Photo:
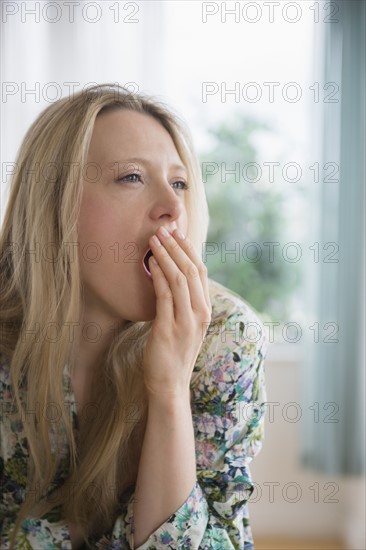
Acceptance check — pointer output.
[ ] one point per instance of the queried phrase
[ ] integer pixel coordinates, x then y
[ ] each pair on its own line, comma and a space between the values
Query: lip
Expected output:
147, 273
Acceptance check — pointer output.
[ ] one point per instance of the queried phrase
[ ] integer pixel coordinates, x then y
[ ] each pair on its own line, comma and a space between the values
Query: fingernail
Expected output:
179, 234
156, 240
164, 232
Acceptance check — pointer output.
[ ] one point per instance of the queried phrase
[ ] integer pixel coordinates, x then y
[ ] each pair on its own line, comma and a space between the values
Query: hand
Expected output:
76, 537
183, 314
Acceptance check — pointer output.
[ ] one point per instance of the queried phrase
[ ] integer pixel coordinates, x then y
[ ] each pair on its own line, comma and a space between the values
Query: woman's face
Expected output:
117, 218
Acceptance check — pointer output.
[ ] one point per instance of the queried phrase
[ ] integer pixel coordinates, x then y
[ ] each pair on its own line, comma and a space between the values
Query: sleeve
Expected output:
49, 532
228, 415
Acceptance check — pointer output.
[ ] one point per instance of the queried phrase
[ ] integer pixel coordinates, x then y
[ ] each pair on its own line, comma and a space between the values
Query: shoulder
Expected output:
226, 301
235, 322
235, 339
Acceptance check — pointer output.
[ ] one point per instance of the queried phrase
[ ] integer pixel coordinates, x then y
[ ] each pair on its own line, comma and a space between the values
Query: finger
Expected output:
176, 290
177, 262
164, 299
191, 252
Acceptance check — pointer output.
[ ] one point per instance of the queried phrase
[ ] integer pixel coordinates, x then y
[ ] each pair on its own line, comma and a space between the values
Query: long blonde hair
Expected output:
41, 287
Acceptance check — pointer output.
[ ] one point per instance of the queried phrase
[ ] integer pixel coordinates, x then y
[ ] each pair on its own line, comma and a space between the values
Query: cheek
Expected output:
107, 246
98, 223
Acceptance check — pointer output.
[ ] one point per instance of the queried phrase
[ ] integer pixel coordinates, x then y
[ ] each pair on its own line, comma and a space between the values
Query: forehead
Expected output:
124, 133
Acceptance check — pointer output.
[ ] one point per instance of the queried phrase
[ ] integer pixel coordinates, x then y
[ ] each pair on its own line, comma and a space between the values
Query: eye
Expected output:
184, 187
136, 177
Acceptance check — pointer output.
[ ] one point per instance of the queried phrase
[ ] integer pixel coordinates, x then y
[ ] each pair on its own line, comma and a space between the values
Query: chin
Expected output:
148, 314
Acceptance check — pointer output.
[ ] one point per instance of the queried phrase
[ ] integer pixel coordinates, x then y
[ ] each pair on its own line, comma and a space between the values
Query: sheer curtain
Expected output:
49, 50
334, 374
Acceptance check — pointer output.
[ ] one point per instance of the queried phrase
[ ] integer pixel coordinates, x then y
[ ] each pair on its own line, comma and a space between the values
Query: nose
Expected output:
167, 204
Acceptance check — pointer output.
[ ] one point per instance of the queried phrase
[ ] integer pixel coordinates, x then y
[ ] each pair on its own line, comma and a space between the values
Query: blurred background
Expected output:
274, 95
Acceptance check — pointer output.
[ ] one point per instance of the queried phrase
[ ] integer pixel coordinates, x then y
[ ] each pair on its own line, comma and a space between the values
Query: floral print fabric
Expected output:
227, 403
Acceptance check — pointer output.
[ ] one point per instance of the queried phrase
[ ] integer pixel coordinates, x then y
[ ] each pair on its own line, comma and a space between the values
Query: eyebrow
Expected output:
143, 161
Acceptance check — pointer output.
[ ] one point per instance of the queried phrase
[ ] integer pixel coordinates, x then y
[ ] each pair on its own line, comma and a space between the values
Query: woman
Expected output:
131, 390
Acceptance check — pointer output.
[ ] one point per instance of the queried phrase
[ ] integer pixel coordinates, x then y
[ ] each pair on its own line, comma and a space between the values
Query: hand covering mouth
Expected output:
148, 253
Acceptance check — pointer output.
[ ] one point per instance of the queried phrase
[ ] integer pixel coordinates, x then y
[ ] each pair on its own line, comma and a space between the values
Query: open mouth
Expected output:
146, 261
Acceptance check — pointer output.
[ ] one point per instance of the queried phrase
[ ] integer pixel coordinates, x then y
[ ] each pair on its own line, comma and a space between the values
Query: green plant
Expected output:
244, 215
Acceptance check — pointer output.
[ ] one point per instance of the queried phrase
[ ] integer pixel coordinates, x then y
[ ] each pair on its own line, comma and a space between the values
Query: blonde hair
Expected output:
41, 287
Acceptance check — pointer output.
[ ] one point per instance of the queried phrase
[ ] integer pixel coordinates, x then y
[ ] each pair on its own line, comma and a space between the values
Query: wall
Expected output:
313, 514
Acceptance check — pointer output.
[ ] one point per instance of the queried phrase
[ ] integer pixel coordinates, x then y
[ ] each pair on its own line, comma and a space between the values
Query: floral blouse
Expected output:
228, 417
